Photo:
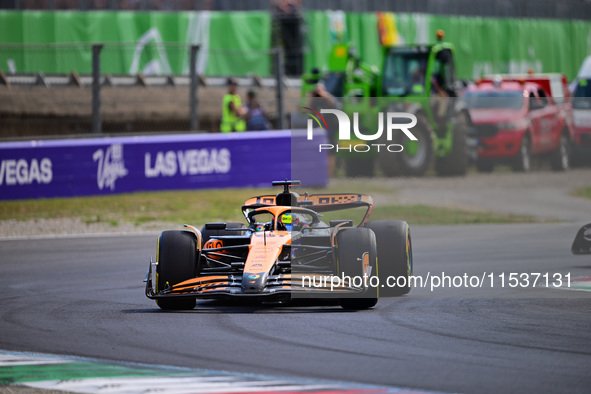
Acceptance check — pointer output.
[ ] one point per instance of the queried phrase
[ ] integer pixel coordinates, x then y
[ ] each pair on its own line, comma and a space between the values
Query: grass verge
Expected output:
201, 206
424, 214
584, 192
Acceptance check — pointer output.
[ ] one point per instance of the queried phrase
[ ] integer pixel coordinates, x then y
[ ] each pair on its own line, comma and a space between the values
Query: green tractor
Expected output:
418, 79
355, 83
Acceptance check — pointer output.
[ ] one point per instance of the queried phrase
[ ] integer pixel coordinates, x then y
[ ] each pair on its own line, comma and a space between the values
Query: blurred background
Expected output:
142, 54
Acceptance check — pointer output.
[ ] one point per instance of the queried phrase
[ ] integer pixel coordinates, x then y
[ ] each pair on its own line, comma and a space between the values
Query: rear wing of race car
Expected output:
317, 202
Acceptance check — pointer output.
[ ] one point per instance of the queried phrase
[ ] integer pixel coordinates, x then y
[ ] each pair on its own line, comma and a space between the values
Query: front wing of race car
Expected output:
281, 286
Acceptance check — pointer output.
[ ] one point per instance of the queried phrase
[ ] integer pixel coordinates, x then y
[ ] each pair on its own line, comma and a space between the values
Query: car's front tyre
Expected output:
394, 248
356, 256
177, 256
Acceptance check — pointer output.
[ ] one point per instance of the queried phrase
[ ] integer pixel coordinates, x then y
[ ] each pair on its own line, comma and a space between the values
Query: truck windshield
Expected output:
404, 72
505, 99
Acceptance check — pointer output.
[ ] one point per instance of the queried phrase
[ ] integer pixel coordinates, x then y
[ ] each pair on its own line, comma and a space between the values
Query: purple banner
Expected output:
82, 167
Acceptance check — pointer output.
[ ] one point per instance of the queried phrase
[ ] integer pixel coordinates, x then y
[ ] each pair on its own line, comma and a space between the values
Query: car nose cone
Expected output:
253, 283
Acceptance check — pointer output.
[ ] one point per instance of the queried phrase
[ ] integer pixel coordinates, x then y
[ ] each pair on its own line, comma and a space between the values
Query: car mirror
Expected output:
215, 226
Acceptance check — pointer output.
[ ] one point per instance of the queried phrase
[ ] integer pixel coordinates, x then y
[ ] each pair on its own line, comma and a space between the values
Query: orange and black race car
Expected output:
290, 246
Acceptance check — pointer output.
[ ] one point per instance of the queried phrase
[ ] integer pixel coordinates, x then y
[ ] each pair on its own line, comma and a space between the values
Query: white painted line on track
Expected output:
82, 375
7, 359
171, 385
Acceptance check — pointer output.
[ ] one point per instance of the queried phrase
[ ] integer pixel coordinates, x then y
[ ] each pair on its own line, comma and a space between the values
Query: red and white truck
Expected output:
520, 116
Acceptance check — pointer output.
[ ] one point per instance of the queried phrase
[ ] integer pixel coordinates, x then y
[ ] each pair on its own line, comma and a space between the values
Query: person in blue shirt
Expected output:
256, 120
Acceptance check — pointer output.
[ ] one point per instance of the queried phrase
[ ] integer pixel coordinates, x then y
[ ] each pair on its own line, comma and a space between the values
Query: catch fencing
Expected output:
163, 89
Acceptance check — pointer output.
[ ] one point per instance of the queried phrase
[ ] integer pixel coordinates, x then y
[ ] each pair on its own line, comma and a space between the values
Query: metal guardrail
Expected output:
561, 9
61, 80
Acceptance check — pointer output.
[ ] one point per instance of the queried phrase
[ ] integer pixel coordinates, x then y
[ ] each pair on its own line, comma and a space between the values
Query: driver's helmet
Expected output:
288, 221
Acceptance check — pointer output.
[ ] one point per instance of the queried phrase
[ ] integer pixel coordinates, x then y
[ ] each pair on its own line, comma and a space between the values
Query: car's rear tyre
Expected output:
177, 257
417, 156
351, 245
560, 159
455, 163
206, 235
522, 162
394, 256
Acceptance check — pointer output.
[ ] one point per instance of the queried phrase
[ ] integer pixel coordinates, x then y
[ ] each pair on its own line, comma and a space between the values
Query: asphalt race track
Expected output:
84, 296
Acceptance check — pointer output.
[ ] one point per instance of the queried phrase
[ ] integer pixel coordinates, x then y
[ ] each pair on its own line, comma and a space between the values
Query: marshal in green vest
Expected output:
230, 121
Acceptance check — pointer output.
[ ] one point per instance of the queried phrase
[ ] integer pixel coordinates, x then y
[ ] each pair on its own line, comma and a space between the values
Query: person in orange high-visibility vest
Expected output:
232, 110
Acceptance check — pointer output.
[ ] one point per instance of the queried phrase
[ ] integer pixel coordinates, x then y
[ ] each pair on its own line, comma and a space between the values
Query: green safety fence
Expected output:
484, 45
238, 43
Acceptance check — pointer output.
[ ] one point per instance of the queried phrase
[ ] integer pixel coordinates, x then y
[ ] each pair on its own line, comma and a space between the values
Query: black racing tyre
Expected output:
455, 163
207, 234
351, 247
361, 167
522, 163
177, 257
485, 166
417, 156
560, 159
394, 256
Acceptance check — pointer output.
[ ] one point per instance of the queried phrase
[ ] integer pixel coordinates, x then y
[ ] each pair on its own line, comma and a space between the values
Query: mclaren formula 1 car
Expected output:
314, 245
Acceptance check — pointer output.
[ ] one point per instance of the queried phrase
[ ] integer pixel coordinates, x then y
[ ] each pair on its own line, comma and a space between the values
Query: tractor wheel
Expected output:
416, 157
485, 166
455, 163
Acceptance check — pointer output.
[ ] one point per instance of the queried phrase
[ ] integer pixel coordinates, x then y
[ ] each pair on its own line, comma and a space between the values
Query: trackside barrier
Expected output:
102, 166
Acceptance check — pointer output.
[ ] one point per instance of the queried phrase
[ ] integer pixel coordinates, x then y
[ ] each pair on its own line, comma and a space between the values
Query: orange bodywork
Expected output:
265, 248
214, 244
